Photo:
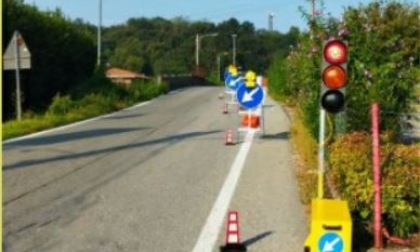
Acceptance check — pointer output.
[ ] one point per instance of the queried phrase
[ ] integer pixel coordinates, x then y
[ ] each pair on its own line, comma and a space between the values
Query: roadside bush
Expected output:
61, 105
142, 91
93, 105
350, 160
15, 128
98, 84
280, 88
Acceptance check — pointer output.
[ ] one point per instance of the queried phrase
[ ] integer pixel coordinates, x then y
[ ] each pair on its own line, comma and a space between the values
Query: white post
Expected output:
17, 67
234, 49
197, 50
263, 119
218, 68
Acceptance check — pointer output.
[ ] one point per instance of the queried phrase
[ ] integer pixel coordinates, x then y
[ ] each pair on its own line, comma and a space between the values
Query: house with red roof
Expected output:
124, 77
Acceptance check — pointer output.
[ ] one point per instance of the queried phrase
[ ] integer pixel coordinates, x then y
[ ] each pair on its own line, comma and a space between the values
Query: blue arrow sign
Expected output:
330, 242
233, 82
226, 75
250, 97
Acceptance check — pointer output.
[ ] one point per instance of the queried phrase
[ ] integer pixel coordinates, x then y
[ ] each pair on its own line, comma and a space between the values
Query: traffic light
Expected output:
334, 75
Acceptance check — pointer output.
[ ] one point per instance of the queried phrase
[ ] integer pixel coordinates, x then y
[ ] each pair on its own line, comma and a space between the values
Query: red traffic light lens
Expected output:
335, 52
332, 101
334, 77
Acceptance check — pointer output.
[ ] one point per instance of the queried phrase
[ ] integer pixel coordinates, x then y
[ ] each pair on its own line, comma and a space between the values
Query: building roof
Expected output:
114, 73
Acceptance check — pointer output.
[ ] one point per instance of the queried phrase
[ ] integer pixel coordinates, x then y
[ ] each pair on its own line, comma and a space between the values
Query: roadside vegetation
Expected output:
97, 96
65, 84
383, 67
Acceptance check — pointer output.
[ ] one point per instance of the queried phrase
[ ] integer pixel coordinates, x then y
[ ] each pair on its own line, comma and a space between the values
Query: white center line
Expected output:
211, 229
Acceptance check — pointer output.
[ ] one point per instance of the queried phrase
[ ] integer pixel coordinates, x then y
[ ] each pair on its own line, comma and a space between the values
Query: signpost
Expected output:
16, 57
233, 82
250, 97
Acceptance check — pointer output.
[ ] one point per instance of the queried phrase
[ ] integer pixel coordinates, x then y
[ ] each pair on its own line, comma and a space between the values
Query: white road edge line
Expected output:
73, 124
211, 229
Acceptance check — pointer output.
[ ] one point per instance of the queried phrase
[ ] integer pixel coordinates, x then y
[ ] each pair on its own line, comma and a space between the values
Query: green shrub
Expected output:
60, 105
143, 91
350, 160
17, 128
99, 84
279, 86
97, 104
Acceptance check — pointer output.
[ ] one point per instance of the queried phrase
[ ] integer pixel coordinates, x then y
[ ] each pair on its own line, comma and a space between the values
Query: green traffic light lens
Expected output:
332, 101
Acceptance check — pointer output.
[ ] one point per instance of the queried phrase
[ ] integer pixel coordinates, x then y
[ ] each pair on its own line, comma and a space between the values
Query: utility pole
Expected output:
198, 39
219, 64
99, 34
270, 21
234, 49
197, 50
218, 67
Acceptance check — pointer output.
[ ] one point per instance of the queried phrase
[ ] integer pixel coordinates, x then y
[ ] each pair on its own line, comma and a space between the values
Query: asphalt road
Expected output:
147, 179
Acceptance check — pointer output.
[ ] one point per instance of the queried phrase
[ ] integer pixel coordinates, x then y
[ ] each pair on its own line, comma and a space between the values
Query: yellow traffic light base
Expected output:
331, 227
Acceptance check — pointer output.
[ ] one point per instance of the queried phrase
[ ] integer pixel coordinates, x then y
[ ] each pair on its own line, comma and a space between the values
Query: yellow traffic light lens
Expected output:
335, 52
334, 77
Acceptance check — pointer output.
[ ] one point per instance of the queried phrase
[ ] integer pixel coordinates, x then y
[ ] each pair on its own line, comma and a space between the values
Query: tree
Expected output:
63, 54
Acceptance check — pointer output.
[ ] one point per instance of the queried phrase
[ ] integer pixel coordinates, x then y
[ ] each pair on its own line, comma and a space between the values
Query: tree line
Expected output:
64, 50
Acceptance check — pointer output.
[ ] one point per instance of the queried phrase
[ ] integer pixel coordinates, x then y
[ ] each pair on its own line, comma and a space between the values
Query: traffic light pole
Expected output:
321, 153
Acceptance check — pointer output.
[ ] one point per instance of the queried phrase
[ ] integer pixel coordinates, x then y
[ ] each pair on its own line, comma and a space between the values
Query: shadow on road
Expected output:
110, 150
257, 238
72, 136
117, 117
281, 135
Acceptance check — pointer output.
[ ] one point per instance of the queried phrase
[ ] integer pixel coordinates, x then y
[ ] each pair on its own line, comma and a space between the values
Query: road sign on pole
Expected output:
233, 82
17, 54
250, 97
16, 57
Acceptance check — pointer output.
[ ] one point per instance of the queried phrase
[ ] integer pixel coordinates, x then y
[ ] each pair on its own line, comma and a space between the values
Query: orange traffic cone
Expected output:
233, 243
225, 108
229, 137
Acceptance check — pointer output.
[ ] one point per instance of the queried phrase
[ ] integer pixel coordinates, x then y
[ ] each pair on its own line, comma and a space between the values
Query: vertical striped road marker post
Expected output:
233, 242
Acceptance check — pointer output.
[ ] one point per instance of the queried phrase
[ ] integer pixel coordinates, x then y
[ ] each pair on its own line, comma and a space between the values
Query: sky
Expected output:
114, 12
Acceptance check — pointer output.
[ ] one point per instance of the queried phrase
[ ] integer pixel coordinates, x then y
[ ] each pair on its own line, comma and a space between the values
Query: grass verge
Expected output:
305, 156
65, 109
